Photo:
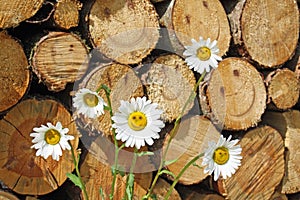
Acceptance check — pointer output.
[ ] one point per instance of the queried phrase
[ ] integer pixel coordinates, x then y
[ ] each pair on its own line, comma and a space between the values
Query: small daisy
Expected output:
137, 122
88, 103
201, 55
50, 139
222, 158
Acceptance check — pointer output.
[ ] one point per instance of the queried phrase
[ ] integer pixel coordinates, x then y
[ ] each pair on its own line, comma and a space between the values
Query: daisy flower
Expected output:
137, 122
88, 103
51, 140
202, 55
222, 158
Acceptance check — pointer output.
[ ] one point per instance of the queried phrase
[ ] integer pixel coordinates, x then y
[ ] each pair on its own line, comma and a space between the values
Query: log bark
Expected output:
66, 14
14, 12
124, 84
235, 95
262, 166
283, 88
14, 73
287, 123
21, 170
268, 32
125, 31
191, 139
186, 19
59, 58
169, 83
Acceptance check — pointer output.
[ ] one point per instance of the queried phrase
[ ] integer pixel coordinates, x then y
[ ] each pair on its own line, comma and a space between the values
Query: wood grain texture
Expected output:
124, 30
14, 72
20, 169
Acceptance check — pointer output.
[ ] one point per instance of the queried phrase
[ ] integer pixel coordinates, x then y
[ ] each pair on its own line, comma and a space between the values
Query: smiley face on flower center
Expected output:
203, 53
137, 121
221, 155
90, 99
52, 136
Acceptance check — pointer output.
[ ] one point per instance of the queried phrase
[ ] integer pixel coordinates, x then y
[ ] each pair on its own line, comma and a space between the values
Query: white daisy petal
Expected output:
46, 145
137, 122
222, 158
202, 60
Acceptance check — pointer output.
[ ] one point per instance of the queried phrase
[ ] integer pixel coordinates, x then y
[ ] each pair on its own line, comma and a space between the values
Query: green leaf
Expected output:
153, 196
196, 165
102, 195
75, 179
167, 172
145, 153
129, 186
169, 162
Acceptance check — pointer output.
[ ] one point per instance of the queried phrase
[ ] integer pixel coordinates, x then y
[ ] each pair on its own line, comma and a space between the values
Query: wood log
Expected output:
262, 166
14, 73
14, 12
124, 85
169, 83
187, 19
161, 188
21, 170
59, 58
191, 139
7, 196
235, 95
125, 30
66, 14
283, 88
287, 123
268, 32
278, 196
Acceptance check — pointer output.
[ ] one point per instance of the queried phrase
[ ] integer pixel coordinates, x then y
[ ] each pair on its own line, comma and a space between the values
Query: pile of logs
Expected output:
52, 48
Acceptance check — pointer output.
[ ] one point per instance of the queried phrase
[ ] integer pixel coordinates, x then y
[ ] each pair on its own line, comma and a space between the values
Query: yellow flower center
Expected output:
52, 136
221, 155
90, 99
137, 121
203, 53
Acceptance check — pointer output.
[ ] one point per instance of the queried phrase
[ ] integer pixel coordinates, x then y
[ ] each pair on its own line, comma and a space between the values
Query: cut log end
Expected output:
14, 72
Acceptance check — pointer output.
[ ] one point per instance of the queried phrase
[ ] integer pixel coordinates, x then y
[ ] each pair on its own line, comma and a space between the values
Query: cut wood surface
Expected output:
124, 85
14, 72
59, 58
269, 32
190, 140
189, 19
283, 88
235, 95
262, 166
287, 123
161, 189
66, 14
169, 83
125, 31
20, 169
7, 196
14, 12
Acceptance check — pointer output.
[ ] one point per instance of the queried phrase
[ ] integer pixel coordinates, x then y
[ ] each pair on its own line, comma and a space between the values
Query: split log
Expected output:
161, 188
283, 88
14, 12
7, 196
14, 73
21, 170
191, 139
187, 19
125, 31
188, 194
59, 58
268, 32
66, 14
124, 84
287, 123
262, 166
97, 174
169, 83
278, 196
235, 95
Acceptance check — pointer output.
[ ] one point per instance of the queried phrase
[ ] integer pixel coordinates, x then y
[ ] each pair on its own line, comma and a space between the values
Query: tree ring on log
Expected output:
14, 73
59, 58
236, 94
125, 31
21, 170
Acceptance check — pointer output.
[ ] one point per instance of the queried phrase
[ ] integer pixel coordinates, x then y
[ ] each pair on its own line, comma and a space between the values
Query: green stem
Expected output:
189, 100
131, 174
181, 173
76, 162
